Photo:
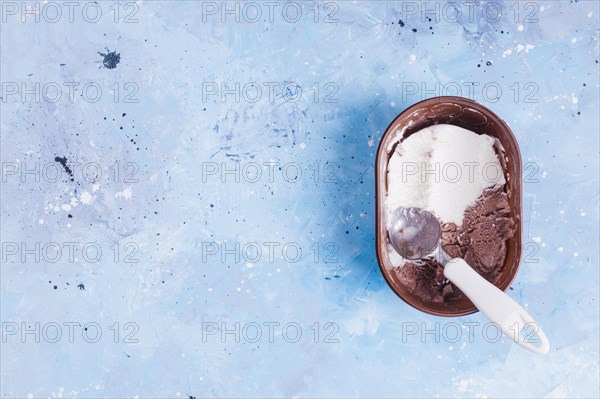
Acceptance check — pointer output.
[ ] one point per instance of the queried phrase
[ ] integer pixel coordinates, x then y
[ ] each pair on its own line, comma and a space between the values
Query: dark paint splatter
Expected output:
63, 162
81, 287
401, 23
111, 59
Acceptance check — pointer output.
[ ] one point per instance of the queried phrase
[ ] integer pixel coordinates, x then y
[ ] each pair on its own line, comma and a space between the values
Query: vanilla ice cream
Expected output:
443, 169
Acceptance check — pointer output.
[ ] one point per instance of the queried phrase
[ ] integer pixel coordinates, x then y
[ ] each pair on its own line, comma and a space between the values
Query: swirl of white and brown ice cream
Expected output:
455, 174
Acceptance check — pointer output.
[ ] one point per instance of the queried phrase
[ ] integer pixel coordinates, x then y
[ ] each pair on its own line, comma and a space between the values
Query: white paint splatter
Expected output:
127, 193
520, 47
86, 198
463, 385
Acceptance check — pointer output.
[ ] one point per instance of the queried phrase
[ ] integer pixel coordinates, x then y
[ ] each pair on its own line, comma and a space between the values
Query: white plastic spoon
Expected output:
415, 233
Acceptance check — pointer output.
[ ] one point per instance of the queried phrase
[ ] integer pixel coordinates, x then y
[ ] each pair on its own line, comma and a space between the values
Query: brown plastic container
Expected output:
470, 115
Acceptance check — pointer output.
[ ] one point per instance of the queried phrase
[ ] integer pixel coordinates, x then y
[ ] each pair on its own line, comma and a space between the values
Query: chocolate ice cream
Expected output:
480, 240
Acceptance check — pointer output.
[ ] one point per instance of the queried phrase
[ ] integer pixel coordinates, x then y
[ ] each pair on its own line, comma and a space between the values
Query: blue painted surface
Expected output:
192, 174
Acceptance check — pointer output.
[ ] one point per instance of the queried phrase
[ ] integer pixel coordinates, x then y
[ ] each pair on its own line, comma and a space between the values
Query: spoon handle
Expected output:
497, 306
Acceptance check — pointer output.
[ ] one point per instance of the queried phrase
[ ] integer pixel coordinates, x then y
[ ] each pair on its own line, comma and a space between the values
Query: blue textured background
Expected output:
546, 66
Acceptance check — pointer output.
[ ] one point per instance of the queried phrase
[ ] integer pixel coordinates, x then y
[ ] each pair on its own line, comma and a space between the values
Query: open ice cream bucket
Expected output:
473, 116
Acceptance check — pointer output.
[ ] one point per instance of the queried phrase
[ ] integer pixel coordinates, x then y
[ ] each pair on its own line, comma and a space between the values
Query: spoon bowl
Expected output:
414, 232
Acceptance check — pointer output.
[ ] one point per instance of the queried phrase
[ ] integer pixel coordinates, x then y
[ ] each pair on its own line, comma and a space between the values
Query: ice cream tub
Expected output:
470, 115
